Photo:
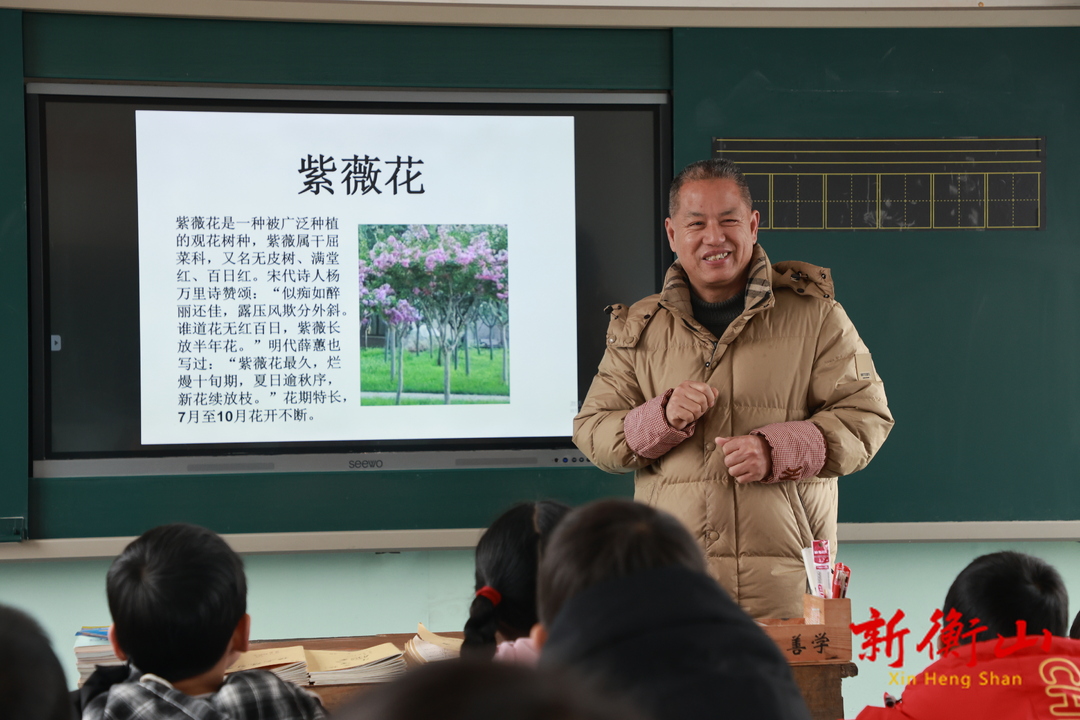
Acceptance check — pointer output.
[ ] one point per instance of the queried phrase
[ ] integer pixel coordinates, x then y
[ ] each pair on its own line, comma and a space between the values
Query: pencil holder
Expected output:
821, 635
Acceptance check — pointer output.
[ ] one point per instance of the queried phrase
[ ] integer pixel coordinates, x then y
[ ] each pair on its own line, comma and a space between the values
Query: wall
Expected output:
334, 594
296, 595
363, 593
602, 13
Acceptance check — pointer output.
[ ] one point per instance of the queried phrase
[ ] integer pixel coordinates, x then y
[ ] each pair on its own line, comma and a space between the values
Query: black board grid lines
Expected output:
894, 184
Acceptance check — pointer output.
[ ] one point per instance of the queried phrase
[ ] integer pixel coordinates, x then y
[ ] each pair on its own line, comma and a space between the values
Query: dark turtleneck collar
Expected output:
718, 315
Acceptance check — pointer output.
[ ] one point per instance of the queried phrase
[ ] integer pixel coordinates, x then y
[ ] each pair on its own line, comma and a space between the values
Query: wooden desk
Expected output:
820, 684
820, 687
822, 633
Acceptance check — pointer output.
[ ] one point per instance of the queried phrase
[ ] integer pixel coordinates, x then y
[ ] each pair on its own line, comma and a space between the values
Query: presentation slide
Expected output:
334, 277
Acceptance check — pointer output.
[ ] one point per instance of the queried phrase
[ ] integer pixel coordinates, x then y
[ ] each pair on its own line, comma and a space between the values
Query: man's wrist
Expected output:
648, 432
663, 407
797, 450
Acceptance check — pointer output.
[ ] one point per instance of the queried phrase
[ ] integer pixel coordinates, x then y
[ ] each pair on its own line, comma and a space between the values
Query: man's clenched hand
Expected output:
689, 401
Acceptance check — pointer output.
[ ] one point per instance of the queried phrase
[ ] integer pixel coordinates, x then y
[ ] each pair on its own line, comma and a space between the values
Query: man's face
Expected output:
713, 232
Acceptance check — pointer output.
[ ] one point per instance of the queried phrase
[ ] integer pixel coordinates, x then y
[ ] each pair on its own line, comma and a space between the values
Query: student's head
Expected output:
32, 685
460, 690
1004, 587
177, 595
507, 559
610, 539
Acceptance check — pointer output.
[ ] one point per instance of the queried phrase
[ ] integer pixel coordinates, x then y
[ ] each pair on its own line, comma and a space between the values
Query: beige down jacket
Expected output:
793, 354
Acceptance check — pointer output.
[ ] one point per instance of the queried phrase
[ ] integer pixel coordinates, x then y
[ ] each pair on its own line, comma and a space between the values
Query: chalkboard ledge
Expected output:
466, 538
258, 543
1017, 531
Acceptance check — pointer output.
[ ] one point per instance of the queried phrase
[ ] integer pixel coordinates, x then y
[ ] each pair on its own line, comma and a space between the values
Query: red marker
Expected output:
841, 577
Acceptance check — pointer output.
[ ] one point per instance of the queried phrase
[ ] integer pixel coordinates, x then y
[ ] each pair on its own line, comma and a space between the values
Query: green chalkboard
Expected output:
149, 50
975, 333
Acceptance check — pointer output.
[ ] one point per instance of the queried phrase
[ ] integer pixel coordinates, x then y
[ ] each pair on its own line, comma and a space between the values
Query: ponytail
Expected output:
507, 560
480, 628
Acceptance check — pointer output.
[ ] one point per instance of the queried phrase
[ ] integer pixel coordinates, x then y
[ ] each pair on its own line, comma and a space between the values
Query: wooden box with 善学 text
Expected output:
821, 635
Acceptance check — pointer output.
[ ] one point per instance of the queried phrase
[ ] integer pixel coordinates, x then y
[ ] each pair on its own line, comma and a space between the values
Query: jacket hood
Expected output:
676, 292
800, 277
804, 279
654, 601
672, 640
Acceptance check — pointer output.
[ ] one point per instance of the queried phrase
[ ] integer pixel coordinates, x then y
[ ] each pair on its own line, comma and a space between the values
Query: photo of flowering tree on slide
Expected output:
434, 304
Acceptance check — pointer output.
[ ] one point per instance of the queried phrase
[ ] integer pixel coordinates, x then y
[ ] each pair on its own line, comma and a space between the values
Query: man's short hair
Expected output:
176, 595
609, 539
1004, 587
713, 169
32, 684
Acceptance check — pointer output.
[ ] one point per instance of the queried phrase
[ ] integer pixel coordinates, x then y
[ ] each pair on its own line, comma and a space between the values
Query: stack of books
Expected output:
92, 648
427, 647
381, 663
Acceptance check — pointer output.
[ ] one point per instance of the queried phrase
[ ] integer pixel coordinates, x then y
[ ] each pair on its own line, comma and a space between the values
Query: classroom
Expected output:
974, 331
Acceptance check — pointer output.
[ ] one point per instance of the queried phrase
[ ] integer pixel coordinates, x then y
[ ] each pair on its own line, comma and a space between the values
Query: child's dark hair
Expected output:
176, 595
507, 560
1004, 587
610, 539
32, 684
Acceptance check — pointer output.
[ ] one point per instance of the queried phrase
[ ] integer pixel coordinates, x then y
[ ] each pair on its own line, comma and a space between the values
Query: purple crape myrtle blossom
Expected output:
402, 313
447, 272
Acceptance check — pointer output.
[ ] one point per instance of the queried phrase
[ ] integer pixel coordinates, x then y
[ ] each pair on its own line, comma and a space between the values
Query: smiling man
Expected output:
738, 395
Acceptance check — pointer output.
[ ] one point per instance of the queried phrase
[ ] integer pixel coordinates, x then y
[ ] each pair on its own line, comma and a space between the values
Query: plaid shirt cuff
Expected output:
647, 430
798, 450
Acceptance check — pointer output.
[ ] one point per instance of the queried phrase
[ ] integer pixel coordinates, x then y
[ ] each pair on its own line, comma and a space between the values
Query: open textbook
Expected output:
426, 646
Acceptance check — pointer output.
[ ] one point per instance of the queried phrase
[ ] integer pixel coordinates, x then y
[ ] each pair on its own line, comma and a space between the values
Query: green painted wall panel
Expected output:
14, 311
215, 51
89, 507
